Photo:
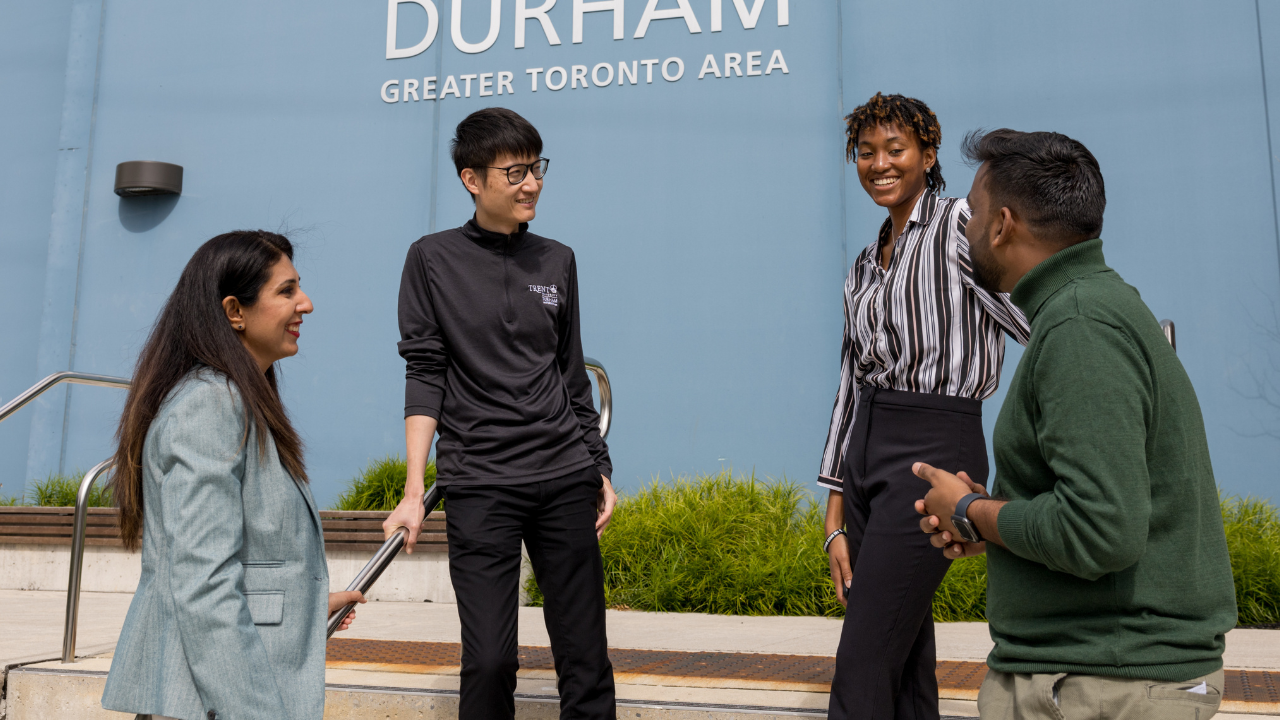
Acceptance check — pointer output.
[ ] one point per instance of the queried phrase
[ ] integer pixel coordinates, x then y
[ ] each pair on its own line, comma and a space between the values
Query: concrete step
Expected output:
767, 666
73, 692
395, 685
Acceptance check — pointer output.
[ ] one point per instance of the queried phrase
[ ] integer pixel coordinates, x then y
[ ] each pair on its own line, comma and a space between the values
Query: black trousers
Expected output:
556, 519
886, 662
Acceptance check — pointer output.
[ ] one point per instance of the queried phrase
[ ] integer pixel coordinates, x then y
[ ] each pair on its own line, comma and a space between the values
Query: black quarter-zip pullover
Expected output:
490, 332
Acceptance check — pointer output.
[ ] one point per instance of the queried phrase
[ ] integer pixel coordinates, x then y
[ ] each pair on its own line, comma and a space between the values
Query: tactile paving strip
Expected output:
962, 679
956, 679
1252, 686
393, 652
745, 668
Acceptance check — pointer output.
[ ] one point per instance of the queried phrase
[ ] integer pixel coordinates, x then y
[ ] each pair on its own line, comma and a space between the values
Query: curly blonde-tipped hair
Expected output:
907, 113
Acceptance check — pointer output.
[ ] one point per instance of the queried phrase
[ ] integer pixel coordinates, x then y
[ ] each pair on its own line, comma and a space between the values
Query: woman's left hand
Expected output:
605, 501
339, 600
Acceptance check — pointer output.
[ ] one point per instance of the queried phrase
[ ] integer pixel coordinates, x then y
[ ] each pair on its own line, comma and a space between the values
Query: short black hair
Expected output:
486, 134
1052, 181
907, 113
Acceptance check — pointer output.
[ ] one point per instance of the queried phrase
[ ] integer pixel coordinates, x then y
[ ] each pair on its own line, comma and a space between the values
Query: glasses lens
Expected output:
515, 174
540, 168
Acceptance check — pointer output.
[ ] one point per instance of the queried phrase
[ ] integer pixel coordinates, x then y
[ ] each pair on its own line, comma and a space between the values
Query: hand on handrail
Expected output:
409, 514
338, 600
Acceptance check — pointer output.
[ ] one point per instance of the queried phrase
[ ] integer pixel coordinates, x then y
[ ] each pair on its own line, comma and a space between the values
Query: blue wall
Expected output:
712, 218
33, 55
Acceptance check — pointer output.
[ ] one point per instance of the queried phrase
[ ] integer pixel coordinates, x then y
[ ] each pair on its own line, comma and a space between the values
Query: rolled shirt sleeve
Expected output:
830, 474
573, 368
422, 343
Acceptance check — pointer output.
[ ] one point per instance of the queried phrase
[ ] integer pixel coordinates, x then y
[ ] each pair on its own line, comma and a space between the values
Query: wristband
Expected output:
827, 545
960, 519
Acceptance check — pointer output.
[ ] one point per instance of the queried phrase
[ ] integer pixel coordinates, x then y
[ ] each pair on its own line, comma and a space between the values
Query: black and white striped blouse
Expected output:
923, 325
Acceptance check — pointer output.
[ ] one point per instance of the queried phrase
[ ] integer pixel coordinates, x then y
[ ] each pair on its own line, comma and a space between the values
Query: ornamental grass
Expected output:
737, 545
1253, 540
380, 486
58, 490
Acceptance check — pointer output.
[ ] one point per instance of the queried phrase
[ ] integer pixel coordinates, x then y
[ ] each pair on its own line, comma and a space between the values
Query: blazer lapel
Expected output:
311, 504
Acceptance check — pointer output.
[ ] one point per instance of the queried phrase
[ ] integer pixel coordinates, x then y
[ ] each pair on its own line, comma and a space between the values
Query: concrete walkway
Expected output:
36, 620
438, 622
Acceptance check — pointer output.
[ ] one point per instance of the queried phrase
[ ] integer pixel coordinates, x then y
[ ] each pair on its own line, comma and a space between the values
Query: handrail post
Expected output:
1167, 327
82, 497
606, 394
77, 560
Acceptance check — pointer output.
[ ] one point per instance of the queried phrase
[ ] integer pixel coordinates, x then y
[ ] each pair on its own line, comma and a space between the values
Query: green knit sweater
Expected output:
1117, 562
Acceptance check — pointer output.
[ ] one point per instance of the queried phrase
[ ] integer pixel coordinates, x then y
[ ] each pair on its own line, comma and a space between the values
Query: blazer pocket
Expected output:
266, 607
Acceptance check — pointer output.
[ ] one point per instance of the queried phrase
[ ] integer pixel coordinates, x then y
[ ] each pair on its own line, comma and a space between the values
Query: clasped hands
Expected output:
939, 504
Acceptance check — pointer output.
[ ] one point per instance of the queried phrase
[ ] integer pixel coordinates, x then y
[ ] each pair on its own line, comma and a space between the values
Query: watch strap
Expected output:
962, 507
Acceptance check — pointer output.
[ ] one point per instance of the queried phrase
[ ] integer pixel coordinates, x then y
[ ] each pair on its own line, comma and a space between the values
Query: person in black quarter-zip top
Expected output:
490, 332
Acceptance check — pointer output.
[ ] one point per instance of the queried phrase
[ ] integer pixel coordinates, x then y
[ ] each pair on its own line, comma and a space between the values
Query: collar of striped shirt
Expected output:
922, 214
922, 325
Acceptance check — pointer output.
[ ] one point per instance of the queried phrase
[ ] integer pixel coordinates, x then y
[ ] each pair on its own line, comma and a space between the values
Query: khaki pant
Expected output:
1060, 696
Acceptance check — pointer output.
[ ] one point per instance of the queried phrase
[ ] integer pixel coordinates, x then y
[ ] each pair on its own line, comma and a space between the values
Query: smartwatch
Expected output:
968, 531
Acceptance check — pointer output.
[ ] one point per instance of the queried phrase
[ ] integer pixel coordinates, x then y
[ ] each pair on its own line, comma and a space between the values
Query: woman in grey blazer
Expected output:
229, 617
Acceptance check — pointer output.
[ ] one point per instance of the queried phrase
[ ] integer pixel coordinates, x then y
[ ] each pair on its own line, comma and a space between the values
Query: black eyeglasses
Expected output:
516, 173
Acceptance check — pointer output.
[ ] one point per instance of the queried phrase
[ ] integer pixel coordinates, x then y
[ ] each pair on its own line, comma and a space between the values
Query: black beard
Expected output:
986, 273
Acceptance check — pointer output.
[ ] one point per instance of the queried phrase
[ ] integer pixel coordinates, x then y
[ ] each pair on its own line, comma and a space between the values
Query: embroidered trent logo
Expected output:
549, 294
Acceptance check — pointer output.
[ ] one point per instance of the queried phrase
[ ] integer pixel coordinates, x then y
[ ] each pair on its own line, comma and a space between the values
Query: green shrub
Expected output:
738, 546
717, 544
60, 491
741, 546
962, 596
380, 486
9, 500
1253, 539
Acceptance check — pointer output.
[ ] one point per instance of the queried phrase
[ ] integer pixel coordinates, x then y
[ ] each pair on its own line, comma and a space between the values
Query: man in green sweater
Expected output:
1109, 586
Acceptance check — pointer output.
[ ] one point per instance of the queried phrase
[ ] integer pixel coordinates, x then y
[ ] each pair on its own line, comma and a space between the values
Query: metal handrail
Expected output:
77, 378
1167, 327
77, 559
372, 570
606, 394
363, 580
82, 497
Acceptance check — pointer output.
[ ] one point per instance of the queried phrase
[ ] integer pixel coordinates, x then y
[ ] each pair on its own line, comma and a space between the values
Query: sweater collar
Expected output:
1055, 272
493, 241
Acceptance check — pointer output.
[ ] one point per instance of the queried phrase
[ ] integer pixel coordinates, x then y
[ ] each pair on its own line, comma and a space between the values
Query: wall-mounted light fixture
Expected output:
146, 177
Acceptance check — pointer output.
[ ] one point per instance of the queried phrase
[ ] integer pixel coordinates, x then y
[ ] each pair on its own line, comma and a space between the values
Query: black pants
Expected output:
556, 519
885, 666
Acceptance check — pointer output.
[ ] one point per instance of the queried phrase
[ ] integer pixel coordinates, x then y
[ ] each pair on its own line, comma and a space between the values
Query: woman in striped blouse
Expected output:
923, 345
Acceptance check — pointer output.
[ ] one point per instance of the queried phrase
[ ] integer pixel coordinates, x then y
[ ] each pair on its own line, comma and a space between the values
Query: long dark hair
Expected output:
193, 330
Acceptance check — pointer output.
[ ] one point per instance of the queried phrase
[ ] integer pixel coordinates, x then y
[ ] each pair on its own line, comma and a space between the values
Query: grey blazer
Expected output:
228, 621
